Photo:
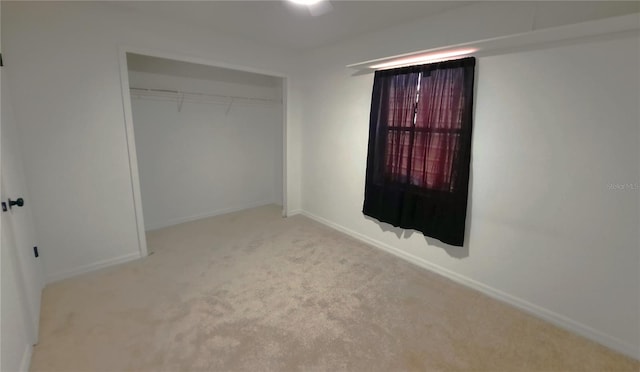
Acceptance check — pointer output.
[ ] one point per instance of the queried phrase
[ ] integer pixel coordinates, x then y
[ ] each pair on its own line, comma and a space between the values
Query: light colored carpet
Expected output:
251, 291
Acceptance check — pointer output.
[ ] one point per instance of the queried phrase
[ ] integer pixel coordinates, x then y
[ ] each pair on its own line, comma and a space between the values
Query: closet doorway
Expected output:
204, 140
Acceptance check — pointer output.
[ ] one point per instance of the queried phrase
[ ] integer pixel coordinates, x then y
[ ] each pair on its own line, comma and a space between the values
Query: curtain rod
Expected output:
178, 93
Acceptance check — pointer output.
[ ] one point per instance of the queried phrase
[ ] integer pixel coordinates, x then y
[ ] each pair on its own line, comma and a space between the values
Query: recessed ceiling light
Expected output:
305, 2
423, 58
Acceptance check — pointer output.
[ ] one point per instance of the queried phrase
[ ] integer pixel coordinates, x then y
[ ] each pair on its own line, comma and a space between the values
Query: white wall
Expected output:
68, 99
202, 161
553, 128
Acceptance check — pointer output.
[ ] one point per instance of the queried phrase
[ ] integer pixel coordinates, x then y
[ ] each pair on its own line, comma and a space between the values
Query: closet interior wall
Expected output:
208, 139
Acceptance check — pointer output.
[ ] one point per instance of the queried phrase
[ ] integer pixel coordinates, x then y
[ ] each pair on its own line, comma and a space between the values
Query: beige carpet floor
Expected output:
251, 291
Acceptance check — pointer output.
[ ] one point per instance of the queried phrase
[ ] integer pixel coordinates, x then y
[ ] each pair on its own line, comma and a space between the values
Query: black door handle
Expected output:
19, 202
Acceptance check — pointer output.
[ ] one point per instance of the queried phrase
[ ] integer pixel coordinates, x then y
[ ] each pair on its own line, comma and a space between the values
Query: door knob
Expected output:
19, 202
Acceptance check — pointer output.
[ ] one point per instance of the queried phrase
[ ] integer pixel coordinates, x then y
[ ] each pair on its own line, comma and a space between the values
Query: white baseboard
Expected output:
294, 212
217, 212
25, 364
92, 267
540, 312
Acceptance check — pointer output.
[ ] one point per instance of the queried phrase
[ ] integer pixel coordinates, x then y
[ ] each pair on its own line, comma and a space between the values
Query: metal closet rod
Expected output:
178, 92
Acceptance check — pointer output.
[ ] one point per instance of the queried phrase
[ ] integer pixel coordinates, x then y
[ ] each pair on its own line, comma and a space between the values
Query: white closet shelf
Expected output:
180, 96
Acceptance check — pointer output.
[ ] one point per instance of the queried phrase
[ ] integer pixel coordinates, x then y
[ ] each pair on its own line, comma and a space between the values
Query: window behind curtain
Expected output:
419, 148
424, 127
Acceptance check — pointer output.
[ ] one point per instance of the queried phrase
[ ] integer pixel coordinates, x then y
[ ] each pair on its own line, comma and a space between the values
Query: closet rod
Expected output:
177, 92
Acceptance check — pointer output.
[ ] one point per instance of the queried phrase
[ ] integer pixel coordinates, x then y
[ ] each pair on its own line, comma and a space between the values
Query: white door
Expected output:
22, 275
18, 218
16, 329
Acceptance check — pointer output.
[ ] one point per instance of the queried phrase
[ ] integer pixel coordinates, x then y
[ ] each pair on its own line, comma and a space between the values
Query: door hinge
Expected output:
1, 64
35, 252
4, 206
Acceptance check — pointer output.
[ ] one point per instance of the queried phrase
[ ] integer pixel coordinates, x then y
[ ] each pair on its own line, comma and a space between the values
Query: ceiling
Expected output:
287, 25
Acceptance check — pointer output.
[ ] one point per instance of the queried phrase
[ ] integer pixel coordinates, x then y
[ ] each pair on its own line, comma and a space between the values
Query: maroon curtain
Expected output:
403, 90
420, 148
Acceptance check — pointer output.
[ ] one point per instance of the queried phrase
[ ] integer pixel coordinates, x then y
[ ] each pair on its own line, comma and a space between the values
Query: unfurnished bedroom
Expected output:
320, 185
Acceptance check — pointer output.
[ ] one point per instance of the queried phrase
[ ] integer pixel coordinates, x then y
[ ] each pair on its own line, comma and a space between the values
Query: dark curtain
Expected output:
420, 148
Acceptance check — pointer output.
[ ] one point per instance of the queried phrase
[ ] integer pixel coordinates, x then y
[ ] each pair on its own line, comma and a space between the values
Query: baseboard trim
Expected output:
294, 212
540, 312
217, 212
25, 363
92, 267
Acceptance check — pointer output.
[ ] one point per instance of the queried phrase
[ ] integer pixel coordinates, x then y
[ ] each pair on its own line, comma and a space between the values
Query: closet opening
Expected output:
203, 140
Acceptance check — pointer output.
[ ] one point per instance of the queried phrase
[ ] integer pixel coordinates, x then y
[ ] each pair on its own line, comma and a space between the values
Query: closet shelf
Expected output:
181, 96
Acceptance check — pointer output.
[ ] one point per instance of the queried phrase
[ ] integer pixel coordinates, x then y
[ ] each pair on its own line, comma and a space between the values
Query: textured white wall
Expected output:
68, 102
553, 128
202, 161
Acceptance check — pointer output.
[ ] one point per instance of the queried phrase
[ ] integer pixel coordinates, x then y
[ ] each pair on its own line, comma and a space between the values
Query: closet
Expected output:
208, 140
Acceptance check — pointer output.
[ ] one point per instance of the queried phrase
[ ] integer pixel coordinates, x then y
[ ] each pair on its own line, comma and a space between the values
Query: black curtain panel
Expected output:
420, 148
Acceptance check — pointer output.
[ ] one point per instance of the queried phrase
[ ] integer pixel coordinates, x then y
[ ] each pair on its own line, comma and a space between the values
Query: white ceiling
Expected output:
288, 25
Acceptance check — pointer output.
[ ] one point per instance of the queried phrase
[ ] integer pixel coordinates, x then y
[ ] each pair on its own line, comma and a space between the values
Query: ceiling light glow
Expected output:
305, 2
423, 58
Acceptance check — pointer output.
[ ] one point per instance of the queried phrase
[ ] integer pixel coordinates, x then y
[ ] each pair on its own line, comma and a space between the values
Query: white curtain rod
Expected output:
179, 94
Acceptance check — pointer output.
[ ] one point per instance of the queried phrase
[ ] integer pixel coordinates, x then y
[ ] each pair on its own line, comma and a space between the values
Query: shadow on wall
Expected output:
452, 251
